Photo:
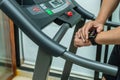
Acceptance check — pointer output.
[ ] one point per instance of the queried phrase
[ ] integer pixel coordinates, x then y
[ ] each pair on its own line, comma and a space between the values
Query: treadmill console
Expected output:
54, 2
44, 12
48, 7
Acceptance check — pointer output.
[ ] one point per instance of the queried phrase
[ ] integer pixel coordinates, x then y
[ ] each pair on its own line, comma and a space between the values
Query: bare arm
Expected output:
105, 37
108, 6
109, 37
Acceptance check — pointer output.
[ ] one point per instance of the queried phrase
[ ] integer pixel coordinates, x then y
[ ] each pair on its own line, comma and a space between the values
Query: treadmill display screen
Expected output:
56, 3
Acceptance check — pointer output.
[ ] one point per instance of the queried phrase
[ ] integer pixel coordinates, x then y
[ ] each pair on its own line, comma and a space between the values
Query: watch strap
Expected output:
92, 36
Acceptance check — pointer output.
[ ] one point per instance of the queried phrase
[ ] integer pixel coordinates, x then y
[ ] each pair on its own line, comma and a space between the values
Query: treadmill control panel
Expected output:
49, 7
43, 12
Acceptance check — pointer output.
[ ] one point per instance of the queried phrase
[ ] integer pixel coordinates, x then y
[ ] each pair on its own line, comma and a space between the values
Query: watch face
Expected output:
92, 36
92, 33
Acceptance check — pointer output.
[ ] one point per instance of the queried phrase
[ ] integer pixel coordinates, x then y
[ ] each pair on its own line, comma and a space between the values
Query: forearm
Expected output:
109, 37
108, 6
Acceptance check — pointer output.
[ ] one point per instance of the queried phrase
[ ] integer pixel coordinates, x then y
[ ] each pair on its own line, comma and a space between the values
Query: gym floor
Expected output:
23, 75
27, 78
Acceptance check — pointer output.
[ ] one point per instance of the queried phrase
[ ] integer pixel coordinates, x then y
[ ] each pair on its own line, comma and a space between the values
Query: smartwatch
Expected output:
92, 36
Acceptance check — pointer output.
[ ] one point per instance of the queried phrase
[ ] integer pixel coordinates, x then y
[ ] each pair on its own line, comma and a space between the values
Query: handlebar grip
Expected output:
88, 15
84, 13
113, 24
91, 64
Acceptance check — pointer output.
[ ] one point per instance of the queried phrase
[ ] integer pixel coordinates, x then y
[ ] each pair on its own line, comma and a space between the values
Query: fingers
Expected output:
99, 29
85, 30
77, 35
90, 25
79, 40
80, 43
82, 35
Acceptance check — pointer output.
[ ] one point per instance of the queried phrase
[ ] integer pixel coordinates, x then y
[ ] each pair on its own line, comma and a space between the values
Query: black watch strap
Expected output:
92, 36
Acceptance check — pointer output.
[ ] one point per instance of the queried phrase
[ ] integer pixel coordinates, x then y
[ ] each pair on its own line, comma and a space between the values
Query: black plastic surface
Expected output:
42, 18
97, 66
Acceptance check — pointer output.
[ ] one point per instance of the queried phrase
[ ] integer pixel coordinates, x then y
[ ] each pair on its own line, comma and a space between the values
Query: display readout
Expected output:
56, 3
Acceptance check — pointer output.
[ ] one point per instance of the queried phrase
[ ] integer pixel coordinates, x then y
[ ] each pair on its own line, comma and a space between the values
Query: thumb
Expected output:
99, 29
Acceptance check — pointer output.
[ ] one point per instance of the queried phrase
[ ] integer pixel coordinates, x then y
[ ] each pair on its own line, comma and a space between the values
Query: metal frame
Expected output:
44, 67
68, 64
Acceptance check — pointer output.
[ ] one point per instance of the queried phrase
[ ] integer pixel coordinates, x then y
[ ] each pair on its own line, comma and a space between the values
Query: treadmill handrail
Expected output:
91, 64
14, 11
88, 15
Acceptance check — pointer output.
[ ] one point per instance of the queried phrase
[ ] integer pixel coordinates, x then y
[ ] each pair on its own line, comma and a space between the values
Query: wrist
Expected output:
100, 20
93, 41
92, 37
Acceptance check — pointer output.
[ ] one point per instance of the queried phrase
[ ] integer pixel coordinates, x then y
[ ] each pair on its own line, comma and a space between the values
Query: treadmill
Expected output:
31, 17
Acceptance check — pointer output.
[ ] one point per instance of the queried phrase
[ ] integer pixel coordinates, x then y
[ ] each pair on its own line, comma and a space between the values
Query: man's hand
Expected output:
82, 35
79, 41
88, 26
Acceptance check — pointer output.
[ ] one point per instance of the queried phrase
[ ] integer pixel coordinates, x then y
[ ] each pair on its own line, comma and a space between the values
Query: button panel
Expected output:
35, 10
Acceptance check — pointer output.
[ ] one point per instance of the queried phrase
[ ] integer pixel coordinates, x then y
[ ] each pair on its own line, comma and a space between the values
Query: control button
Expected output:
43, 6
49, 12
69, 13
36, 9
